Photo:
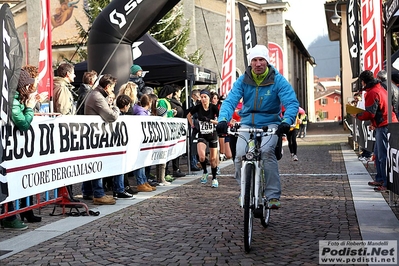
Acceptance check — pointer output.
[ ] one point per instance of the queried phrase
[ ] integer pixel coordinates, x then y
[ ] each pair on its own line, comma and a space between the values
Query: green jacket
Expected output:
21, 116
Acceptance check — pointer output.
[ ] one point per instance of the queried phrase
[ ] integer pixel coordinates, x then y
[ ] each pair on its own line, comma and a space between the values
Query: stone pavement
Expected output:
324, 197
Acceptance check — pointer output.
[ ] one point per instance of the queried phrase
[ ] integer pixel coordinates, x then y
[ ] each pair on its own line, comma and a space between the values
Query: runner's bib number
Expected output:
206, 127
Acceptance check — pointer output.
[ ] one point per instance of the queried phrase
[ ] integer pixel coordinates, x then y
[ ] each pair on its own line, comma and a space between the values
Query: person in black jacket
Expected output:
176, 104
136, 76
88, 81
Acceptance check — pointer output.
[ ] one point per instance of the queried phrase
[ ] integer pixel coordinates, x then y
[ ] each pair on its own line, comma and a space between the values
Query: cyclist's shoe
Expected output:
274, 204
215, 183
204, 178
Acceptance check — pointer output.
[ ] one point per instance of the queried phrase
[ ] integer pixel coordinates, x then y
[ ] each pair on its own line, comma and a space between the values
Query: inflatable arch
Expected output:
114, 31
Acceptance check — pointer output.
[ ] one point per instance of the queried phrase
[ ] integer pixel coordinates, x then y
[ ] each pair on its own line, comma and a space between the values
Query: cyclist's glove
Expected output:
283, 128
221, 128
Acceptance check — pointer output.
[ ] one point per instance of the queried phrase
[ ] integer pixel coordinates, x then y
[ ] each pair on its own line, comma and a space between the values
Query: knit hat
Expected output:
165, 91
134, 69
25, 79
258, 51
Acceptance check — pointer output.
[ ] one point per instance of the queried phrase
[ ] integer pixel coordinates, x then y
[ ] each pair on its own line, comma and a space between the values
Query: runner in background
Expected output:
207, 117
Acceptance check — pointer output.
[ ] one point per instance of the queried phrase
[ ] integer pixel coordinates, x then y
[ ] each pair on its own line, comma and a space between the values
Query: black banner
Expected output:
10, 67
354, 39
363, 135
393, 156
248, 33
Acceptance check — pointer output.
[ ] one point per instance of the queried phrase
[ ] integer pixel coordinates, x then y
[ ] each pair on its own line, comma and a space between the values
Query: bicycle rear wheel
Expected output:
249, 205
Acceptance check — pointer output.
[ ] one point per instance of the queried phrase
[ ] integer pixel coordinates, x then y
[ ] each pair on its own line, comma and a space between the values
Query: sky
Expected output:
307, 17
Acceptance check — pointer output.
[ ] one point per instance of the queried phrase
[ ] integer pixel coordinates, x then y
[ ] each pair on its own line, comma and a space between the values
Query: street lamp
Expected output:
335, 18
313, 61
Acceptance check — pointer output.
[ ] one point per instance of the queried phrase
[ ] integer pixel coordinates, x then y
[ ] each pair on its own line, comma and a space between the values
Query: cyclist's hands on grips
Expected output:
221, 128
283, 128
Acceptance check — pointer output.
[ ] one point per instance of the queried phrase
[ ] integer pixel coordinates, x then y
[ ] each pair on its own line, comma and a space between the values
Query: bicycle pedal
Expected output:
258, 212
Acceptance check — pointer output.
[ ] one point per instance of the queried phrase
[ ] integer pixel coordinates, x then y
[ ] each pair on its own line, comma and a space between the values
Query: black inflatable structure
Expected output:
116, 28
163, 66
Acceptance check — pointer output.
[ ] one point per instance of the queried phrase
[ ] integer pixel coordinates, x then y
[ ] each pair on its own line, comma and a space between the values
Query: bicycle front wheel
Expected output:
249, 205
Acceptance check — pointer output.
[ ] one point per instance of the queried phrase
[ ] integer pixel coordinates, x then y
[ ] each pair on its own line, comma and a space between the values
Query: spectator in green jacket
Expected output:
24, 101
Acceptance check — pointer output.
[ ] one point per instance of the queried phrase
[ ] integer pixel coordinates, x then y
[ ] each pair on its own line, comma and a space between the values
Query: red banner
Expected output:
229, 51
45, 56
371, 12
276, 57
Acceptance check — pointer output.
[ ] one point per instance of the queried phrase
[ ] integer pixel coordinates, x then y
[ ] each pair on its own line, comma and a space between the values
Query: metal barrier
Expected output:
58, 196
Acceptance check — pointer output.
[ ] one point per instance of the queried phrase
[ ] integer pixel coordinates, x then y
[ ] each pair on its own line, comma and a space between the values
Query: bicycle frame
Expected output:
252, 156
252, 182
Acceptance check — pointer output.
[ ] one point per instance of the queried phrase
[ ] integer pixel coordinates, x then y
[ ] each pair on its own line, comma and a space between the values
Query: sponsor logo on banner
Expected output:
120, 18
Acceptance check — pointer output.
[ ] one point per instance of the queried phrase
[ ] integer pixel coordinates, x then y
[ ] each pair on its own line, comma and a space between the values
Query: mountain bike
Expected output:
253, 199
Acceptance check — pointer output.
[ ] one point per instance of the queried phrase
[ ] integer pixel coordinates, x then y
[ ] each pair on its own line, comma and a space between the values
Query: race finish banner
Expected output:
60, 151
229, 50
248, 33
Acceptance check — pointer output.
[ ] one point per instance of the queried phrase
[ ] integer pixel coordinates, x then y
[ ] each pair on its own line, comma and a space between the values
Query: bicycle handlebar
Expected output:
235, 130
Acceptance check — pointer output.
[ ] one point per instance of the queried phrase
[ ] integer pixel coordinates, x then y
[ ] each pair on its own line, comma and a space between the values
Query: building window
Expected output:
325, 114
323, 101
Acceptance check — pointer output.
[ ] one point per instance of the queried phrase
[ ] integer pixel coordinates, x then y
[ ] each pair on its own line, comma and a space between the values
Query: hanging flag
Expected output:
354, 38
248, 33
10, 68
276, 57
229, 51
371, 13
45, 55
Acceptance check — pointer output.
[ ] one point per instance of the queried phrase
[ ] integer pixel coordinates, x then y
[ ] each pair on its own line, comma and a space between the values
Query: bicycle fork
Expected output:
256, 183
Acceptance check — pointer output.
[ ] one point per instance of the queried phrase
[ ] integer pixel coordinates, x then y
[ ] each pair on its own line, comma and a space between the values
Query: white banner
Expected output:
65, 150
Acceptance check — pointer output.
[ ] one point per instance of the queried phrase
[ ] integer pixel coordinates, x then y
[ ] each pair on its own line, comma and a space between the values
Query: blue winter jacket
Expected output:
262, 105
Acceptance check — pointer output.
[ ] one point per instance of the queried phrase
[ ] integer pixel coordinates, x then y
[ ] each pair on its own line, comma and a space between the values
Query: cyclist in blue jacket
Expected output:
264, 91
